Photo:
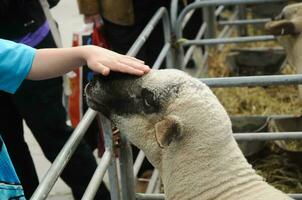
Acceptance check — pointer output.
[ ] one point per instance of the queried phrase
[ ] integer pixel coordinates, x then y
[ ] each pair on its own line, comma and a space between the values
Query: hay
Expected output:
275, 166
279, 168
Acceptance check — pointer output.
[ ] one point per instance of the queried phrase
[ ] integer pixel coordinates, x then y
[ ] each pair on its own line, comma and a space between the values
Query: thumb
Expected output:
100, 68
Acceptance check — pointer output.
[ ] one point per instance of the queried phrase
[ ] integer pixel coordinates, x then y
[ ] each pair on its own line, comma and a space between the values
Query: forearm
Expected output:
49, 63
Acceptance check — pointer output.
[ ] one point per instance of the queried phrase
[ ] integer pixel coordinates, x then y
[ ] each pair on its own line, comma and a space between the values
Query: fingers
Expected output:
136, 64
130, 69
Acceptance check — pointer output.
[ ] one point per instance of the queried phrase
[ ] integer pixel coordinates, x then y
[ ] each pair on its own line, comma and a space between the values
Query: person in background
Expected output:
123, 21
39, 103
18, 61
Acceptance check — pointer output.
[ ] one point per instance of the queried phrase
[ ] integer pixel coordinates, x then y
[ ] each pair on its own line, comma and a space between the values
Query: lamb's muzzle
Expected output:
185, 133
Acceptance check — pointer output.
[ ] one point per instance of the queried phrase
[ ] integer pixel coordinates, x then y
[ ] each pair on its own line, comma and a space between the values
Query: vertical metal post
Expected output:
168, 39
210, 19
242, 30
126, 168
112, 169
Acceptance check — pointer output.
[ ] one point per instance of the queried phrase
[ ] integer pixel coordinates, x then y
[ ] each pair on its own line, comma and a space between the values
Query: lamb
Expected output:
185, 133
289, 25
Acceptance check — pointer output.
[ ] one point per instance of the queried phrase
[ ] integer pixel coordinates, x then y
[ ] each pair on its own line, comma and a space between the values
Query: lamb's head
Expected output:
160, 111
288, 26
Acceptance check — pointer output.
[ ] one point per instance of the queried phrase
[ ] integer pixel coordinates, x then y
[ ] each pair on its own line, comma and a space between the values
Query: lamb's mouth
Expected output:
97, 106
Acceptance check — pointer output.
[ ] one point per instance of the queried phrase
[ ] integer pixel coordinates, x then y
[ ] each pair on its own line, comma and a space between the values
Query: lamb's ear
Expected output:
281, 27
167, 130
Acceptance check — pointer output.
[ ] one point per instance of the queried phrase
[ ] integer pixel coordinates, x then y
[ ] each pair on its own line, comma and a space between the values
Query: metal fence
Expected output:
121, 177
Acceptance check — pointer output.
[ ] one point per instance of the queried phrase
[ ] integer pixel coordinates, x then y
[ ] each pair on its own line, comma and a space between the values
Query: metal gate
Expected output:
122, 174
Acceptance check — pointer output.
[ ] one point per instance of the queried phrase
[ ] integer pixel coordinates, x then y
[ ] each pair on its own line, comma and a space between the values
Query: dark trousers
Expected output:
39, 103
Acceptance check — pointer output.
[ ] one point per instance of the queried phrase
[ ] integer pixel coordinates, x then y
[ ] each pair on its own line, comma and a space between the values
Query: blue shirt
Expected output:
15, 63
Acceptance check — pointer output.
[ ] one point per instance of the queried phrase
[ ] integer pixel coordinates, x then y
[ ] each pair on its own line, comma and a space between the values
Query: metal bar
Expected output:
168, 39
126, 162
204, 65
267, 116
245, 81
217, 41
209, 19
191, 49
241, 30
227, 30
173, 12
296, 196
112, 169
162, 196
218, 11
64, 156
138, 162
200, 33
188, 17
264, 136
126, 168
150, 196
201, 4
97, 177
165, 50
153, 181
244, 22
147, 31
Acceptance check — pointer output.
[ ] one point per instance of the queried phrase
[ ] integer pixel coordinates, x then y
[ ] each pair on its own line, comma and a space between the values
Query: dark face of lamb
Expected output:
160, 112
123, 95
139, 105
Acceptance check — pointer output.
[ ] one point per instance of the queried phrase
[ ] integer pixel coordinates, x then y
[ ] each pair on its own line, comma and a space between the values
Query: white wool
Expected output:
207, 162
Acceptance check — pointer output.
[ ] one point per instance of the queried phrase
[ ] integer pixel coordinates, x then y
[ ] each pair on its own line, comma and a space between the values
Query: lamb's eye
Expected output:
148, 98
146, 103
149, 101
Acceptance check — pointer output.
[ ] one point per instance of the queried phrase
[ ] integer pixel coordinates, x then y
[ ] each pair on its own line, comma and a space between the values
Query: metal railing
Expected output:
126, 166
123, 187
207, 6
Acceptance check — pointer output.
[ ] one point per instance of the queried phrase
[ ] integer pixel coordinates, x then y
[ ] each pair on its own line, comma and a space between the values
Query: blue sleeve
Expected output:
15, 63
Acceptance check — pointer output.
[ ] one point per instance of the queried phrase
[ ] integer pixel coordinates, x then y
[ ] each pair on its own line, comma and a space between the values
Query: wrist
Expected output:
82, 54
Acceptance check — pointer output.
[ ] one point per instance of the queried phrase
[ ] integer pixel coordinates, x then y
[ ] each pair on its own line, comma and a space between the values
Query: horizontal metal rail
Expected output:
266, 136
218, 41
97, 177
140, 196
244, 22
150, 196
246, 81
205, 3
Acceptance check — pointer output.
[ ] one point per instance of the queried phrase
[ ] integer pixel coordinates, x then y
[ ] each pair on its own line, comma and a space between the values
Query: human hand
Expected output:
103, 61
95, 19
